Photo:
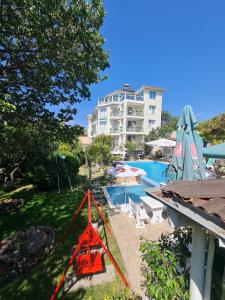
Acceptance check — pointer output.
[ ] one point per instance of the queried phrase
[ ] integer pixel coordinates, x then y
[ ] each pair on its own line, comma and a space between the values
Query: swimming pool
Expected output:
116, 194
155, 170
155, 175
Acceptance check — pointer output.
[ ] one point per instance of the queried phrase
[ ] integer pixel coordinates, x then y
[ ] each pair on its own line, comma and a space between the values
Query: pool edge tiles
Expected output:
108, 197
145, 180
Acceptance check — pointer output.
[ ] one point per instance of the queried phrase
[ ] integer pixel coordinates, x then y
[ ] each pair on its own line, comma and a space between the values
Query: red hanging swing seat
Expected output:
89, 263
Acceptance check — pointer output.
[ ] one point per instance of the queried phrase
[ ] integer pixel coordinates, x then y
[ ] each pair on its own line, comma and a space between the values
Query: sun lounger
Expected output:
138, 212
153, 208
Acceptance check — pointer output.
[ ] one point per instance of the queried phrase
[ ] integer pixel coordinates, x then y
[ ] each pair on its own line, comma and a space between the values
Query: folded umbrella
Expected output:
187, 160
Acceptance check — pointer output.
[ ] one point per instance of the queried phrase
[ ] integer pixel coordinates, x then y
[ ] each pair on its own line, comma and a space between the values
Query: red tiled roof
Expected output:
205, 189
206, 195
84, 140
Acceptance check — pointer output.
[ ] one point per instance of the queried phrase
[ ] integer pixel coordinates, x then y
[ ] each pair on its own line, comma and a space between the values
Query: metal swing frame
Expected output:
89, 261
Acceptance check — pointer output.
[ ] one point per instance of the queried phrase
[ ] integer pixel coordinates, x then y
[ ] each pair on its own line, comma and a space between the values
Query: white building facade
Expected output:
127, 115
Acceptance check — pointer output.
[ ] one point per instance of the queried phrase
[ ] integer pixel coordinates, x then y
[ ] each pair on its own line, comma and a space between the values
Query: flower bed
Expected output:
24, 250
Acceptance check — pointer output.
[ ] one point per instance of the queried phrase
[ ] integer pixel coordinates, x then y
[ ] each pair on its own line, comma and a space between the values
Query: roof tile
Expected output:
207, 195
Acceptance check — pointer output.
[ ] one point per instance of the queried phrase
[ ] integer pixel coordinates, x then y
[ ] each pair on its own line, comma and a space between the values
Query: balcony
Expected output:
135, 129
117, 98
133, 97
102, 117
135, 113
115, 130
110, 99
115, 114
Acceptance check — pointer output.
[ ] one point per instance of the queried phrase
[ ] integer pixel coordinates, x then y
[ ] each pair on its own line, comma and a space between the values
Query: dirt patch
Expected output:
24, 250
10, 205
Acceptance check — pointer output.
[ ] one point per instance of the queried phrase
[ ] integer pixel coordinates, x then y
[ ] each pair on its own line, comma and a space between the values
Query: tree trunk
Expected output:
16, 168
12, 174
89, 169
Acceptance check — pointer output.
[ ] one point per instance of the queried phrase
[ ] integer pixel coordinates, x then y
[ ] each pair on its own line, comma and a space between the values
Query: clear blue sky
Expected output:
178, 45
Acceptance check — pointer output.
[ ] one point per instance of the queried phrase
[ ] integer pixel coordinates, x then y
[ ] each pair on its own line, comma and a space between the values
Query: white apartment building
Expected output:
126, 115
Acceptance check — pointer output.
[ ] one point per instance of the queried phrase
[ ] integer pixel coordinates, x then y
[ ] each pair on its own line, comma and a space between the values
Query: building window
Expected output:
152, 109
103, 123
131, 123
121, 97
152, 94
102, 113
131, 138
115, 98
130, 97
151, 124
102, 126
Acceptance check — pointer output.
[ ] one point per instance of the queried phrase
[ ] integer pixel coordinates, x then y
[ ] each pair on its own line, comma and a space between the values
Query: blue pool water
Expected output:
117, 193
155, 170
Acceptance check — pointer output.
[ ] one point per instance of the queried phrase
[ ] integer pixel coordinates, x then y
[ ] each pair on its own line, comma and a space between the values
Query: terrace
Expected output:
117, 98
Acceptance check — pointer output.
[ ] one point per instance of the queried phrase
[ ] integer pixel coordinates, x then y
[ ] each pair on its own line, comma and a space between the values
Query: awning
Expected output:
216, 151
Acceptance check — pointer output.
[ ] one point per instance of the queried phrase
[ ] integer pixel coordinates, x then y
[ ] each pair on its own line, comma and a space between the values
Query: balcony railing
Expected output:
134, 129
102, 117
121, 97
115, 114
114, 130
139, 98
135, 113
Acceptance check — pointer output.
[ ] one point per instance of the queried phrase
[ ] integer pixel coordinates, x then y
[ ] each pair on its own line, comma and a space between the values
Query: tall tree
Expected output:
213, 130
100, 150
168, 125
168, 120
50, 52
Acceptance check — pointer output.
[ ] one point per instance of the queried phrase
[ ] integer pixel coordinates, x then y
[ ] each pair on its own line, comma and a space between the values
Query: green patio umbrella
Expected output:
187, 160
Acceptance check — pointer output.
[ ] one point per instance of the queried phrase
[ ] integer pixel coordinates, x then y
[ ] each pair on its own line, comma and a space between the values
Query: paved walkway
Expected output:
128, 240
107, 276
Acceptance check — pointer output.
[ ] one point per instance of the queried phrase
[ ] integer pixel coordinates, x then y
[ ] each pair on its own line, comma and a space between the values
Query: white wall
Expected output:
157, 102
122, 123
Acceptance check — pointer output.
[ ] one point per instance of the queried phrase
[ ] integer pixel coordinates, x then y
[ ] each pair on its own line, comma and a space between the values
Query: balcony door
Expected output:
131, 124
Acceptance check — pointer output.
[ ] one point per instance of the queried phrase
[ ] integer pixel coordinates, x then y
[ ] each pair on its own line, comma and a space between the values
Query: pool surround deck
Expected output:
128, 240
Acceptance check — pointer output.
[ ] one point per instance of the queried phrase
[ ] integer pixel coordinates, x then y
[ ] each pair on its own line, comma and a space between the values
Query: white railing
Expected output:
103, 117
114, 130
121, 97
134, 129
134, 97
135, 113
115, 114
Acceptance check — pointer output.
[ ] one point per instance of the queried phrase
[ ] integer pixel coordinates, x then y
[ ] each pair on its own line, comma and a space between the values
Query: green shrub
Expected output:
64, 164
117, 157
166, 268
100, 152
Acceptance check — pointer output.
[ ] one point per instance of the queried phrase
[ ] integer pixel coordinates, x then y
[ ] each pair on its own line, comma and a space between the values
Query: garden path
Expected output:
128, 240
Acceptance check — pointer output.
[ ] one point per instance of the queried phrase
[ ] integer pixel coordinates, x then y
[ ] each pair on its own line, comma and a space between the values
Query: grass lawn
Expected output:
54, 210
